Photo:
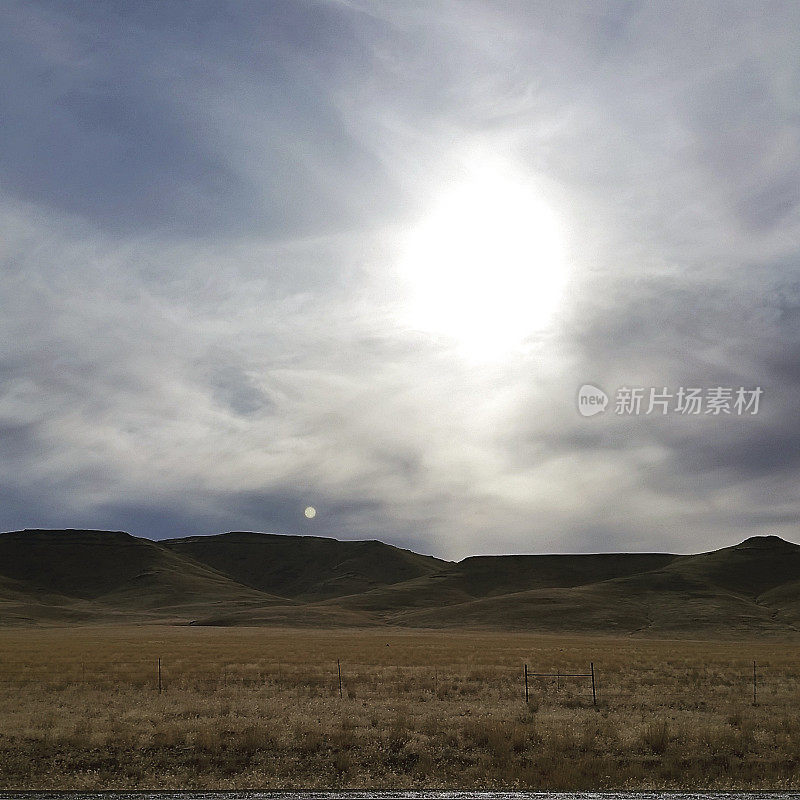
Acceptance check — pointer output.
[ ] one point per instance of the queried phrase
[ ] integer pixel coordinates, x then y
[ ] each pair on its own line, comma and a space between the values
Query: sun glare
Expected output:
485, 267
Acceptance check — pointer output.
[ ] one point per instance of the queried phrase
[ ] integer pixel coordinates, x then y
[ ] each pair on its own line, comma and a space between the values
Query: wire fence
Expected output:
690, 684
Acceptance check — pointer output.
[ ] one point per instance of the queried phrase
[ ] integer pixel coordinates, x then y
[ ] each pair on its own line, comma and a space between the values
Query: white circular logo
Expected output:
591, 400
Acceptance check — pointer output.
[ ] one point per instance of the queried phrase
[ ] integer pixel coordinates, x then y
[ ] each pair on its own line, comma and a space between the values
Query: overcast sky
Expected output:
361, 256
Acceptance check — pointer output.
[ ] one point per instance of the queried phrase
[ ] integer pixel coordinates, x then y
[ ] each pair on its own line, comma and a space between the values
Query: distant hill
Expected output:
305, 567
242, 578
107, 574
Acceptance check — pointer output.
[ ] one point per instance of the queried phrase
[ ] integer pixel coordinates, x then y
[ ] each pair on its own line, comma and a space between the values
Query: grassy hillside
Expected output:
480, 577
88, 574
656, 603
242, 578
305, 567
750, 588
75, 563
753, 567
486, 576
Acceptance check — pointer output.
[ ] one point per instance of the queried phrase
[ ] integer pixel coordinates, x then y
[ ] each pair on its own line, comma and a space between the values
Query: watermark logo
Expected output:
591, 400
684, 401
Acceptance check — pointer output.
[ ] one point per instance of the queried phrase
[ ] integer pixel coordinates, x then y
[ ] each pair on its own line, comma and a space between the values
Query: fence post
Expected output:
339, 670
159, 675
594, 692
526, 683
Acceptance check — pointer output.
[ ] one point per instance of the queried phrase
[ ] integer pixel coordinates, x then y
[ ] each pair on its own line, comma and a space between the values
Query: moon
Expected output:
310, 512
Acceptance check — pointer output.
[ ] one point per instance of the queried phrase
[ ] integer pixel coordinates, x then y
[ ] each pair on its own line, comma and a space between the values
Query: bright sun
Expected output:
485, 267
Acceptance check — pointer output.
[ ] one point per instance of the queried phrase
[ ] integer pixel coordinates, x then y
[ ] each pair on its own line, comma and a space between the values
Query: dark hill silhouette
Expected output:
305, 567
241, 578
99, 573
753, 567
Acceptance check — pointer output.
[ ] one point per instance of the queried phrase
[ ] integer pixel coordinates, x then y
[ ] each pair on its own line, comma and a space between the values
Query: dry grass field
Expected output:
260, 708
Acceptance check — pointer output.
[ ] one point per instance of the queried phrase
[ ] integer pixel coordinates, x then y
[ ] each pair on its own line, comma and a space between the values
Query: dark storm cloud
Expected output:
238, 391
129, 116
204, 318
748, 142
87, 131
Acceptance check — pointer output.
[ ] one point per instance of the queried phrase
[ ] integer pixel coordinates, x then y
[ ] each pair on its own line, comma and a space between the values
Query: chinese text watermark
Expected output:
686, 401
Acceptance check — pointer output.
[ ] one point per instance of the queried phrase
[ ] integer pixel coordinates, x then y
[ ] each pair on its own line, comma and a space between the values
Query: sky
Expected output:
361, 256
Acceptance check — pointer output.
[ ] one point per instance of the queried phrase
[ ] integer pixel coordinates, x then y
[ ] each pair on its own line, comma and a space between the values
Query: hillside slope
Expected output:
480, 577
654, 603
753, 567
105, 573
305, 567
752, 587
240, 578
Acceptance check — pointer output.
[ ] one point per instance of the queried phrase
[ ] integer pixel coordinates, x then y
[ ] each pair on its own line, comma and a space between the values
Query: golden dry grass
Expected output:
260, 708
